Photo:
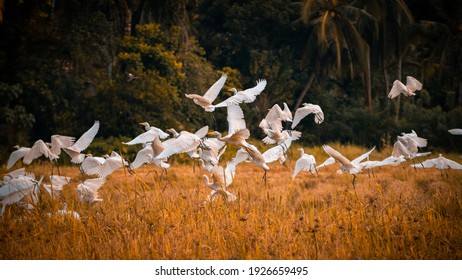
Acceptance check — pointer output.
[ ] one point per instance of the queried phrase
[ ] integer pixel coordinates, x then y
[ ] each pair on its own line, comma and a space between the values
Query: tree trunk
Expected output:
398, 99
305, 90
367, 78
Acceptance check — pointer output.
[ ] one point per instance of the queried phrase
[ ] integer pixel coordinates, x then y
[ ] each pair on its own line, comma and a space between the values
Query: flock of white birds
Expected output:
22, 188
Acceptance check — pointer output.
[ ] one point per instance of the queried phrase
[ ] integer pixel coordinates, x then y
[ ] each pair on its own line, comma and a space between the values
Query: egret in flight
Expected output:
207, 99
408, 89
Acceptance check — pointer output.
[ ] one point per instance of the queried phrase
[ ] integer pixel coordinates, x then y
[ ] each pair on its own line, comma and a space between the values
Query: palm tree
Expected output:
334, 41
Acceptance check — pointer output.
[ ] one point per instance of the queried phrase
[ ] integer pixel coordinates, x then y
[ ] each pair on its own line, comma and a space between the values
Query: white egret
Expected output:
88, 190
412, 84
237, 139
440, 163
211, 153
111, 164
37, 150
18, 188
305, 162
351, 167
275, 116
279, 152
304, 111
81, 144
246, 96
131, 77
207, 99
148, 136
185, 142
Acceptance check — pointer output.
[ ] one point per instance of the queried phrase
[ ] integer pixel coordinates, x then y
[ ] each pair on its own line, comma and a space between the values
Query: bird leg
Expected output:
264, 177
354, 179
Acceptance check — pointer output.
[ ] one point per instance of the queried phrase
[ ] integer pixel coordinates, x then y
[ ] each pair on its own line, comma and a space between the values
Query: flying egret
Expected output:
279, 152
111, 164
307, 109
207, 99
305, 162
81, 144
185, 142
131, 77
440, 163
212, 152
246, 96
351, 167
275, 116
37, 150
88, 190
256, 157
237, 139
148, 136
412, 84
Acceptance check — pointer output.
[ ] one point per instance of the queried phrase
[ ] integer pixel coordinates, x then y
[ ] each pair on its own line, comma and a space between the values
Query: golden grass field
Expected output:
395, 213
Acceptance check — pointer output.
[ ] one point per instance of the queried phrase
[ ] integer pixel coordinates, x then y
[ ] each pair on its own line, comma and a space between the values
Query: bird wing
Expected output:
453, 164
84, 141
183, 144
362, 157
157, 146
413, 84
239, 135
143, 156
455, 131
396, 89
274, 114
337, 156
59, 181
37, 150
214, 90
16, 155
303, 163
235, 119
114, 162
13, 174
250, 94
328, 161
419, 141
307, 109
15, 189
143, 138
90, 165
94, 183
399, 150
59, 142
429, 163
273, 153
201, 133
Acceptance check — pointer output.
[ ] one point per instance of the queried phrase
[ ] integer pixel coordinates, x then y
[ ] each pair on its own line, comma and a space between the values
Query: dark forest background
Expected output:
65, 64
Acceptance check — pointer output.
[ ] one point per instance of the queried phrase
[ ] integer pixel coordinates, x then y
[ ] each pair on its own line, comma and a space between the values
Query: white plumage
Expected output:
81, 144
246, 96
304, 111
408, 89
207, 99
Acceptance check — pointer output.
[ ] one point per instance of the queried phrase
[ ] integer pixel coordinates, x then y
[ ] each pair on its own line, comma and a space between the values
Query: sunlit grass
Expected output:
391, 213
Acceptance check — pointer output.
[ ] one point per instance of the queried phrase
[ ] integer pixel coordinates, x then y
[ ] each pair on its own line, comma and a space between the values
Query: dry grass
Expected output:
395, 213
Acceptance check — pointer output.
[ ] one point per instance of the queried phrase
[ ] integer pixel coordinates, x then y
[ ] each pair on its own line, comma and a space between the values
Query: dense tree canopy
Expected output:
65, 63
